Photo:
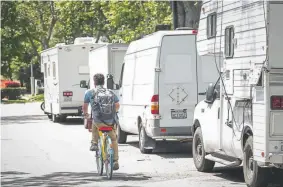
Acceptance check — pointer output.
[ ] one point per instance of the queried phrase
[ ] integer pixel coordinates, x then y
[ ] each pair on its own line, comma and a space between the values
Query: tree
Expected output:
188, 13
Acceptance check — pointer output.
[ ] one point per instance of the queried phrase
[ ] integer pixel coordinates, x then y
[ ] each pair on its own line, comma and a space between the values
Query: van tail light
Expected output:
195, 32
155, 104
68, 93
276, 102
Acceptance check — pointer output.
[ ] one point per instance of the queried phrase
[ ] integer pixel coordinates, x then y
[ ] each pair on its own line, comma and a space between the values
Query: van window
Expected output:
45, 70
229, 45
211, 25
121, 76
54, 70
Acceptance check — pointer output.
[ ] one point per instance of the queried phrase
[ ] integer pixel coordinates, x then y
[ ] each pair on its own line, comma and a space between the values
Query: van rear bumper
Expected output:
154, 131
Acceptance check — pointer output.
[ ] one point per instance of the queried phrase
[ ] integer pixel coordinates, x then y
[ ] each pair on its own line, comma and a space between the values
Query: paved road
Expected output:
38, 152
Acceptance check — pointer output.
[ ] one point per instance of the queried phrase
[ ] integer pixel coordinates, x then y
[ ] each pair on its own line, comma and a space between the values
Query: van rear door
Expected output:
177, 80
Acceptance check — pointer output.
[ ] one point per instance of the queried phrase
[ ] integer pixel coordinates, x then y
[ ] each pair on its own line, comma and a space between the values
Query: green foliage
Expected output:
12, 93
28, 27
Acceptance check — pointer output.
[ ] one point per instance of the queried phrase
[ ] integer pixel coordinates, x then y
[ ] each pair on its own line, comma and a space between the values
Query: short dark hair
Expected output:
98, 79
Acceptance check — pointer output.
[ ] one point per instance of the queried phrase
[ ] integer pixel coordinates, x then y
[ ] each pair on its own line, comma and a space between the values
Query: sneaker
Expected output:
93, 147
115, 165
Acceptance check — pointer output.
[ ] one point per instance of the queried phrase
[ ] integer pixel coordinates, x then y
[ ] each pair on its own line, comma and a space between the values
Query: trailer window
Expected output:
45, 70
54, 70
211, 25
229, 45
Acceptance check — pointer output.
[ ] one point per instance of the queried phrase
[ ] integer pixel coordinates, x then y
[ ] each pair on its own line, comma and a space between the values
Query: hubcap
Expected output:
198, 148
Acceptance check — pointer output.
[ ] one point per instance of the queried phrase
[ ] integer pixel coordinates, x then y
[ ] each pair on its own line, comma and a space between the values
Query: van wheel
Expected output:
55, 118
121, 135
254, 175
199, 153
143, 138
49, 116
62, 118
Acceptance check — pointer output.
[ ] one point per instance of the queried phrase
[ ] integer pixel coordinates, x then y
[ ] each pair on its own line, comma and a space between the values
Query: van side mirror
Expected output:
110, 82
210, 94
117, 87
83, 84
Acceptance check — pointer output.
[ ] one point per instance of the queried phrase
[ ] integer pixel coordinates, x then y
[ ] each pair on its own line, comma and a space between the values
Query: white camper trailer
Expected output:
108, 60
63, 67
159, 85
241, 118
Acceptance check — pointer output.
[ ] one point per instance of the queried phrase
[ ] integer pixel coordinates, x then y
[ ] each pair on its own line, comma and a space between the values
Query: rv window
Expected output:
121, 76
48, 70
45, 70
54, 70
229, 45
211, 25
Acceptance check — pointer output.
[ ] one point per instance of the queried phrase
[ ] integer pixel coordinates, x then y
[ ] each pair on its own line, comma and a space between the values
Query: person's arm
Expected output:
86, 102
117, 104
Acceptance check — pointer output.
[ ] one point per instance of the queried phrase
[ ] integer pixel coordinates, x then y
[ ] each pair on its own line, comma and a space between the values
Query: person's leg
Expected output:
95, 136
113, 137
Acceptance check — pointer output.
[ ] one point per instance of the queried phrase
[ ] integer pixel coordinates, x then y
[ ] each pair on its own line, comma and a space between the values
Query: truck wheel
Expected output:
199, 153
121, 135
143, 138
55, 118
254, 175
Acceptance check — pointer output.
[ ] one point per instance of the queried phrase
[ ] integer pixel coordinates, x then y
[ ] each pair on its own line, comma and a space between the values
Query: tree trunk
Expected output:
188, 13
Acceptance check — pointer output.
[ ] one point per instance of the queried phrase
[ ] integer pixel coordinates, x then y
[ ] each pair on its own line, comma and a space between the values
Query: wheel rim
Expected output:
249, 164
198, 149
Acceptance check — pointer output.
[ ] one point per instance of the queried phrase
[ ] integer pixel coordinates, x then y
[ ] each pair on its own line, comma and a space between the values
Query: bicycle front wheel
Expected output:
109, 157
99, 159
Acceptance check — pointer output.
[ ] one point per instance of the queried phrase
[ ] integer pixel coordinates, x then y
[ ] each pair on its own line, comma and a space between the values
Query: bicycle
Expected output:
105, 152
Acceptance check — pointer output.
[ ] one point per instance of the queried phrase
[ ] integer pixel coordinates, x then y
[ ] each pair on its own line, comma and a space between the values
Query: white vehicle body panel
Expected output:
107, 59
257, 46
165, 64
63, 68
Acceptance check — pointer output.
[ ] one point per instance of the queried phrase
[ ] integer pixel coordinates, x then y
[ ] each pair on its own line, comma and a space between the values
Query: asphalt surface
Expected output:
37, 152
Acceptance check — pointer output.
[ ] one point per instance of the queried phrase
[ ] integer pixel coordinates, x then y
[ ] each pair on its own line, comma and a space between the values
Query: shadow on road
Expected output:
168, 149
65, 179
73, 121
236, 176
8, 120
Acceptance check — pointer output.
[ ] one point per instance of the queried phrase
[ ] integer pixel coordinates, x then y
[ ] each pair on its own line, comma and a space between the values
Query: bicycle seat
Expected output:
105, 129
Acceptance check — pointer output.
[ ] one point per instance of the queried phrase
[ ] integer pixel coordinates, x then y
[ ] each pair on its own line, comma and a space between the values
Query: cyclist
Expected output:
97, 121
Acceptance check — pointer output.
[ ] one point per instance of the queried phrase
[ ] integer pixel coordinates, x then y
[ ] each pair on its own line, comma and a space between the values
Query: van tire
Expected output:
121, 135
49, 116
55, 118
202, 164
260, 176
62, 118
143, 138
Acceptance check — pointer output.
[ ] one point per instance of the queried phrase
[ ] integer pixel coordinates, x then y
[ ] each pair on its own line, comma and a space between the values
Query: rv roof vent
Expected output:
59, 44
84, 40
185, 28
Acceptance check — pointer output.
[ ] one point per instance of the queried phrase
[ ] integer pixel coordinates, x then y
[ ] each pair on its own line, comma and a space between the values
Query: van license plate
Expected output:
179, 114
67, 99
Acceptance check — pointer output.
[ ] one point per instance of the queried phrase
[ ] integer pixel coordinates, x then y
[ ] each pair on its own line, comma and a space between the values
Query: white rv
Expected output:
63, 67
108, 60
159, 85
241, 119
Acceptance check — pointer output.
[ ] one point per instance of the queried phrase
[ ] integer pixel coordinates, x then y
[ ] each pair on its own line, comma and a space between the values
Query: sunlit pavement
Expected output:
38, 152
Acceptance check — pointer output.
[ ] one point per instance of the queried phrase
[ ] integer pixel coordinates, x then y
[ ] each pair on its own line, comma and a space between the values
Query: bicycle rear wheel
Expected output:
109, 157
99, 159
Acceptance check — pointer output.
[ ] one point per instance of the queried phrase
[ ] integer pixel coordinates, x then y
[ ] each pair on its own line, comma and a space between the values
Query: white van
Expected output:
159, 84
